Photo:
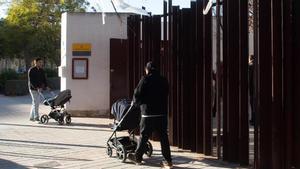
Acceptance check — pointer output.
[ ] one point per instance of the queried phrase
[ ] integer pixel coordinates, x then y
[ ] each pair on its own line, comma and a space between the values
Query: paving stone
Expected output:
81, 145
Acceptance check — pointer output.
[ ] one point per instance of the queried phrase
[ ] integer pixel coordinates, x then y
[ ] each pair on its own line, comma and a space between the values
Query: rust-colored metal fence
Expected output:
188, 69
277, 130
184, 56
235, 89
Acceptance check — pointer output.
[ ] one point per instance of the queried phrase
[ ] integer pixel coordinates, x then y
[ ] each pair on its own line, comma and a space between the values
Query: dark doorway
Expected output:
118, 70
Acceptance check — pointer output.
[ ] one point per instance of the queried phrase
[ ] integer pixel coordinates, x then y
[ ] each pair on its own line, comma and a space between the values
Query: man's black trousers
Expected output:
149, 125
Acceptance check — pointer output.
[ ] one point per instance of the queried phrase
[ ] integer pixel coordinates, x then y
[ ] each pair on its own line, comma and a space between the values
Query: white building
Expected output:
84, 35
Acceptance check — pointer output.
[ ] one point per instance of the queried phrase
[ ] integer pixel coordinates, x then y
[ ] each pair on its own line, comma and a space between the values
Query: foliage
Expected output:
251, 15
11, 74
7, 75
12, 39
51, 73
32, 28
1, 39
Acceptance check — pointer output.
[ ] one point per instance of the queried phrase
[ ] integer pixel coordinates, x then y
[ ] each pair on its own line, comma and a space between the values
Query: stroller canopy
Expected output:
119, 109
59, 100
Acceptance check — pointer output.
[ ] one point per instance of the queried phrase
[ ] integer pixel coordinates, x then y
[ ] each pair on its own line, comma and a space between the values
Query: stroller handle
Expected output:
42, 95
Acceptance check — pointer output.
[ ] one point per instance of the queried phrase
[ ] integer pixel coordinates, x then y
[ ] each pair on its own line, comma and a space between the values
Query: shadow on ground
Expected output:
55, 125
39, 156
5, 164
188, 163
11, 141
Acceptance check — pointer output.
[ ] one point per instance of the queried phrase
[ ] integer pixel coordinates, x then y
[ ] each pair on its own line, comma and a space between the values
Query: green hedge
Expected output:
51, 72
15, 86
20, 87
9, 74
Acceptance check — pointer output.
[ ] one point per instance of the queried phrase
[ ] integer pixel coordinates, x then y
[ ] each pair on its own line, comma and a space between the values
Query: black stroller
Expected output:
126, 117
58, 111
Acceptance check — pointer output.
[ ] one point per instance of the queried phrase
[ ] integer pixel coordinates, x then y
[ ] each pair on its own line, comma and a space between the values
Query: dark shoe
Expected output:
31, 119
37, 119
133, 159
166, 164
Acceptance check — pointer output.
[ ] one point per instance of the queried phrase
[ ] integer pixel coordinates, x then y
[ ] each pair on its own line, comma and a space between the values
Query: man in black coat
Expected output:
36, 83
151, 95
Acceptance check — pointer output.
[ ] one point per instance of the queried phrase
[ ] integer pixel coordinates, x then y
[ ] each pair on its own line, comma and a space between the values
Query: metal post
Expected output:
207, 53
232, 80
172, 79
255, 39
174, 56
224, 79
179, 79
296, 82
277, 114
186, 79
243, 87
218, 79
199, 79
192, 74
264, 86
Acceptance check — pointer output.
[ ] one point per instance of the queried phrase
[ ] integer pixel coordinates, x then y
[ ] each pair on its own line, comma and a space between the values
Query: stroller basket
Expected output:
131, 120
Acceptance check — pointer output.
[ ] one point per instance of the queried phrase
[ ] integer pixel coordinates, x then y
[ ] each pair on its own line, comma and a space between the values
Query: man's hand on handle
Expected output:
39, 89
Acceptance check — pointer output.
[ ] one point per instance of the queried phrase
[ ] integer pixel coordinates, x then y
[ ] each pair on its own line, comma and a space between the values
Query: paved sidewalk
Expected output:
25, 144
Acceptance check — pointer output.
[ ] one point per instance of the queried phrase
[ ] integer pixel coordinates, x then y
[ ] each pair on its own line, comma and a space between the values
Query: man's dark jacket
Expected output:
36, 78
151, 94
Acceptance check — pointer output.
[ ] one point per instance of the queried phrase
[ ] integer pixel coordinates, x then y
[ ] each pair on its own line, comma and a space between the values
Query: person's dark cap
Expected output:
150, 66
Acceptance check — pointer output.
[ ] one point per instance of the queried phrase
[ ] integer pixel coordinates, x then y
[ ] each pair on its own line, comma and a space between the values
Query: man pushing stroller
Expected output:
151, 95
36, 83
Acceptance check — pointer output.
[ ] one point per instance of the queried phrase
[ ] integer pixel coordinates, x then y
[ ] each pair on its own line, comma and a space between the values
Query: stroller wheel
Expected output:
121, 153
108, 151
149, 149
68, 119
60, 121
44, 119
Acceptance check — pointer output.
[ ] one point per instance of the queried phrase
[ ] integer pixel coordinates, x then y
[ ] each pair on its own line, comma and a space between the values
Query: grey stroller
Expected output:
58, 111
126, 117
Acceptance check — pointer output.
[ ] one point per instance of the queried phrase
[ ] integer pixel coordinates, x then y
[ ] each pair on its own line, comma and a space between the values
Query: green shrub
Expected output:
51, 72
11, 74
5, 75
22, 76
16, 88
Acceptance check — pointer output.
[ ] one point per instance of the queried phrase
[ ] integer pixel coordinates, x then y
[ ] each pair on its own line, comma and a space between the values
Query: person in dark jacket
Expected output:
36, 83
151, 94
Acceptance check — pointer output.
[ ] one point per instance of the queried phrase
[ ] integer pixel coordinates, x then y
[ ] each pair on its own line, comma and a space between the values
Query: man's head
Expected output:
38, 62
150, 67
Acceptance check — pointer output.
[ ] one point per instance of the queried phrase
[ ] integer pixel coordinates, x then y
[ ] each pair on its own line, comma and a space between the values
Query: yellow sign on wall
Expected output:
81, 49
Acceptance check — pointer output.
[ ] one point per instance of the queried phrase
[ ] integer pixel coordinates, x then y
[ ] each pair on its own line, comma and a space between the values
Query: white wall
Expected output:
91, 95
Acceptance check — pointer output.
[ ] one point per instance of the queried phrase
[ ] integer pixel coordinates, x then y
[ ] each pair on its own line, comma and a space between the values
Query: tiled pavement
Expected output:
25, 144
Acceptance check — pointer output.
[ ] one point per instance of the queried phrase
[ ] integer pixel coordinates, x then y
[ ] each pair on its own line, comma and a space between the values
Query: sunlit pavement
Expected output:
26, 144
